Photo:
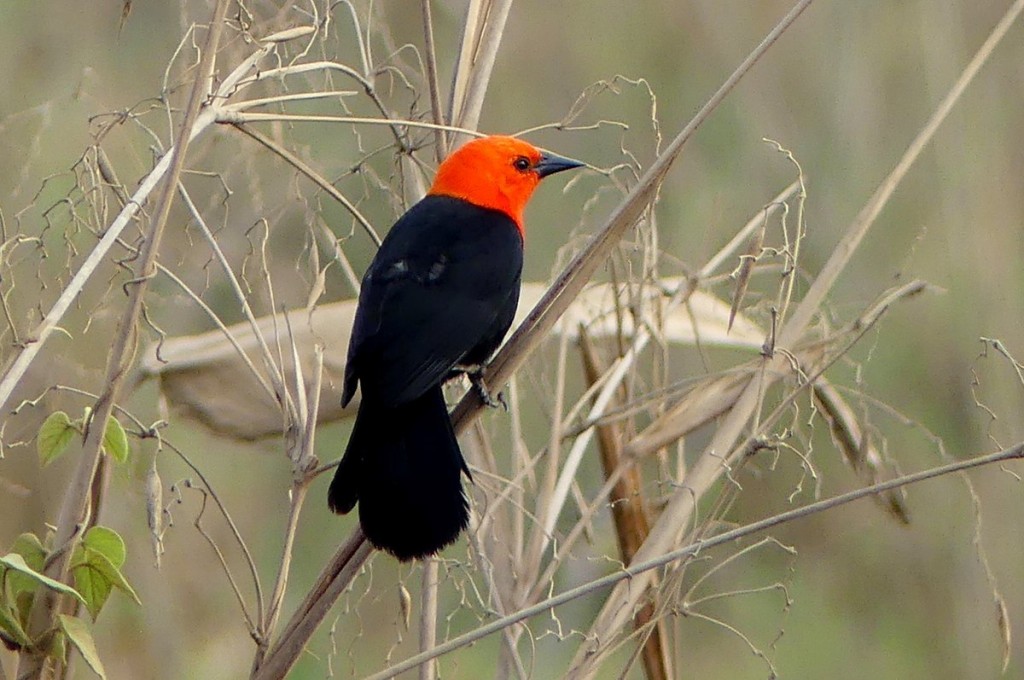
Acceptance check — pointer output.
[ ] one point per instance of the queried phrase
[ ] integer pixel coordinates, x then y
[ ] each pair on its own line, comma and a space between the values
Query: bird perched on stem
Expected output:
435, 302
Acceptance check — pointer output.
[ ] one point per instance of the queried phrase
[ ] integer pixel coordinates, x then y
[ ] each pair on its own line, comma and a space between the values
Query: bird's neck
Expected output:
485, 190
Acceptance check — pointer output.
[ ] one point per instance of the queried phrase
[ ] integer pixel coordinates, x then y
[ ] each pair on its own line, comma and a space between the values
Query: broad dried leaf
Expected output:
203, 376
704, 402
704, 318
865, 459
746, 267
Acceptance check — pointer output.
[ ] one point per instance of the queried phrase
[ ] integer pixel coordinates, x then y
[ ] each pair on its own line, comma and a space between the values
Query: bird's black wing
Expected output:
439, 285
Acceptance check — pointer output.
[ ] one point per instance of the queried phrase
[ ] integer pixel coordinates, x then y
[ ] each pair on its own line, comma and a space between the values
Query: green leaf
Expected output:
54, 435
17, 563
12, 628
78, 631
31, 548
95, 575
59, 646
115, 441
94, 586
107, 542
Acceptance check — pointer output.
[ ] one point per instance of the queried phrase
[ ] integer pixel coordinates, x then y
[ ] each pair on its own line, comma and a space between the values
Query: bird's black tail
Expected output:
403, 466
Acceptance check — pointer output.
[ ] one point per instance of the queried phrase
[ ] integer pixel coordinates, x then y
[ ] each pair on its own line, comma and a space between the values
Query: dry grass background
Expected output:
842, 594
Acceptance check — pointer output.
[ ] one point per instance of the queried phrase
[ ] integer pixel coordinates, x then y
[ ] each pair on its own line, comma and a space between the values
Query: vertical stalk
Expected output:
76, 507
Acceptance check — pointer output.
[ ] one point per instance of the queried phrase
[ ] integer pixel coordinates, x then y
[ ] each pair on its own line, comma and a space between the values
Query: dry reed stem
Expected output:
481, 37
20, 362
303, 469
526, 338
723, 451
850, 439
331, 583
634, 571
428, 615
314, 176
74, 510
629, 516
440, 140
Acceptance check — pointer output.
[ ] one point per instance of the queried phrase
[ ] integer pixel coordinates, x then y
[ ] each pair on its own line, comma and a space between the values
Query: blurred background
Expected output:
845, 90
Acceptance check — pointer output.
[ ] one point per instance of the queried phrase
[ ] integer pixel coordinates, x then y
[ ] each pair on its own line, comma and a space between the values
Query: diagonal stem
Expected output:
47, 605
630, 573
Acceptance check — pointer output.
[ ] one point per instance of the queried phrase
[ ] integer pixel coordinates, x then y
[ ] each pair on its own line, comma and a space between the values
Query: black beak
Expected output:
550, 164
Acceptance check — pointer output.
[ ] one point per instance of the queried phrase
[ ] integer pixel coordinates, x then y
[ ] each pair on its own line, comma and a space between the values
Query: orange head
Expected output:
497, 172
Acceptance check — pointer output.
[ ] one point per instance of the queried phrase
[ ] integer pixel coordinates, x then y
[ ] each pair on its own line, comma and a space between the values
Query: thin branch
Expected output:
440, 142
722, 451
47, 605
428, 616
274, 369
313, 175
367, 85
530, 333
38, 336
633, 570
303, 472
332, 582
283, 98
474, 73
231, 117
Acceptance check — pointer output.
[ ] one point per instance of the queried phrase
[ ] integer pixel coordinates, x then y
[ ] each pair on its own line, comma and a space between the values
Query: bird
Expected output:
435, 303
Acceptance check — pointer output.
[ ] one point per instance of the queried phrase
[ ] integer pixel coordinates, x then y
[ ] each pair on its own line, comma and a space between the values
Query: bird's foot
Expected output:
476, 378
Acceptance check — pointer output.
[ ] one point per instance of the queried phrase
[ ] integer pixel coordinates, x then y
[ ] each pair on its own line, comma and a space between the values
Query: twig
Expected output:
576, 274
428, 615
313, 175
232, 117
722, 451
21, 361
303, 465
633, 570
296, 69
47, 605
477, 60
740, 238
332, 582
536, 326
283, 98
440, 141
274, 370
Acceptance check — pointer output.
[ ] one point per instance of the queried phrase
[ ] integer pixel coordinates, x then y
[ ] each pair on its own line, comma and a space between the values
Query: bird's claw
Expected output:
476, 378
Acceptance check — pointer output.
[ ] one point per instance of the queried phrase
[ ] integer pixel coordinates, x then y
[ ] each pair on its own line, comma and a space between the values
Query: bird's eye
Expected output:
522, 164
